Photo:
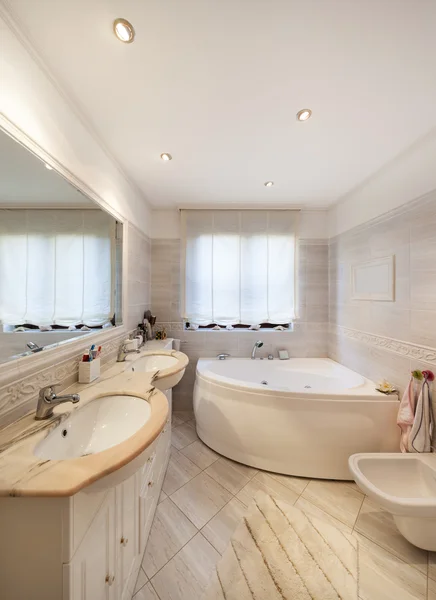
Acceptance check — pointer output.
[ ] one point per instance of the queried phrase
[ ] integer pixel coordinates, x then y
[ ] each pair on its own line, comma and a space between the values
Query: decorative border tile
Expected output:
21, 380
422, 353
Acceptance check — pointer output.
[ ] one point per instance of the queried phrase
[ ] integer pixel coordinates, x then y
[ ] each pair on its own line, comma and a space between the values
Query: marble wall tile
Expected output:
410, 235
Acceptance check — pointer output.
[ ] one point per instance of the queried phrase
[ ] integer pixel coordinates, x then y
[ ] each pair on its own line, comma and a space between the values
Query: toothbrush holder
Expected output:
89, 371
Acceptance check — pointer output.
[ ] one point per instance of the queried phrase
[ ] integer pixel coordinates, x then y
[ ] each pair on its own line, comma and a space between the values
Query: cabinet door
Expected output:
127, 495
91, 573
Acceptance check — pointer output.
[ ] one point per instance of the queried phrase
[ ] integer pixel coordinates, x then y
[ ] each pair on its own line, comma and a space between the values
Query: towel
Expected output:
406, 415
420, 436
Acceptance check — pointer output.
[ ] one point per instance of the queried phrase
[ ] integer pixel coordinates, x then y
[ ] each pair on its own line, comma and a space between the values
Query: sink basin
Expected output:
99, 425
154, 362
165, 366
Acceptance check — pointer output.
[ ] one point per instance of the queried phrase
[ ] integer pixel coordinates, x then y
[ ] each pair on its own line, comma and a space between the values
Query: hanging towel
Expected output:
406, 415
422, 430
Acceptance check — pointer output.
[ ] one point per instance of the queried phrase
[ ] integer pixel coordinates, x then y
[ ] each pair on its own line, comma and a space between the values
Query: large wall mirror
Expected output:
60, 258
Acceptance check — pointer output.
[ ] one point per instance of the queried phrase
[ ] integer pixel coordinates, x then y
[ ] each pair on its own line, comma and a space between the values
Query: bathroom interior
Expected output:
217, 300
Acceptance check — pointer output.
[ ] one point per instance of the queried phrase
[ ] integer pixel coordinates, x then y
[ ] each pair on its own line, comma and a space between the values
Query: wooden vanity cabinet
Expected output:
87, 547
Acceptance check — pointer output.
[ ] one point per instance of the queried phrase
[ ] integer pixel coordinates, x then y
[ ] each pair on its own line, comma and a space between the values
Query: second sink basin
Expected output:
155, 362
99, 425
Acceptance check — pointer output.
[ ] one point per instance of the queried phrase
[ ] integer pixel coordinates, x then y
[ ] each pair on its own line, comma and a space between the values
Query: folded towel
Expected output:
406, 415
420, 436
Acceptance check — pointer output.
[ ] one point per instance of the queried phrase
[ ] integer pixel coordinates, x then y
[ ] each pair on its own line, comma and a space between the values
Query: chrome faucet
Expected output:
223, 356
34, 347
257, 345
48, 399
123, 352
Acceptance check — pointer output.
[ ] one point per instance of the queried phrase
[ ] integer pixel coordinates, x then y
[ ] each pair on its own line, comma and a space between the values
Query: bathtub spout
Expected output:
257, 345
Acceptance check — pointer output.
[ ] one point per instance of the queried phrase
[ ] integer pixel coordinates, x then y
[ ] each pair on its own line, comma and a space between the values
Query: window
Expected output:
239, 266
56, 267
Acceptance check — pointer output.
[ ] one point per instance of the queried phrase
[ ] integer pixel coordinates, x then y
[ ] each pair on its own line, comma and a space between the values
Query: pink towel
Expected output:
406, 415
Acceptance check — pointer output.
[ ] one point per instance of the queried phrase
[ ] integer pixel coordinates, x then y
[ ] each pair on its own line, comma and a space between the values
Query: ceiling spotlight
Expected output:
124, 31
268, 183
304, 114
166, 156
48, 167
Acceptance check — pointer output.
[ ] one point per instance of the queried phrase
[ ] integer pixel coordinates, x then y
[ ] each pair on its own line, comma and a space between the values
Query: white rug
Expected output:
280, 553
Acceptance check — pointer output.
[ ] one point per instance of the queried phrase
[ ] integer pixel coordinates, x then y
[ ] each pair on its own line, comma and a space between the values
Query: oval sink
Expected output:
99, 425
155, 362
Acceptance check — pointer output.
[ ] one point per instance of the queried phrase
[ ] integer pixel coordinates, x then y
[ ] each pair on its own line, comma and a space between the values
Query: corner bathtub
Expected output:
303, 416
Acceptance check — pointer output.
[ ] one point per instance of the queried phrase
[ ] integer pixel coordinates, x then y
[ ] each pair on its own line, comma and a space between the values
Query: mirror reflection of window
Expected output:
60, 257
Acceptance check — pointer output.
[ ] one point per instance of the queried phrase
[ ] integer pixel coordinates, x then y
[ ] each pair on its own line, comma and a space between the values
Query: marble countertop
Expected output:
24, 474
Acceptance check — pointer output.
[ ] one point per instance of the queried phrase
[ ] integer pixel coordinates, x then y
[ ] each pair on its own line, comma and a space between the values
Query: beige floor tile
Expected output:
227, 475
175, 421
336, 498
183, 415
431, 589
268, 484
183, 435
298, 484
200, 454
180, 470
244, 470
313, 511
162, 496
201, 499
141, 581
171, 530
378, 525
187, 575
432, 565
220, 529
146, 593
383, 576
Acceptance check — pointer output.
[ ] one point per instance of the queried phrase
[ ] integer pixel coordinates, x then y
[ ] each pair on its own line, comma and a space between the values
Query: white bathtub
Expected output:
306, 420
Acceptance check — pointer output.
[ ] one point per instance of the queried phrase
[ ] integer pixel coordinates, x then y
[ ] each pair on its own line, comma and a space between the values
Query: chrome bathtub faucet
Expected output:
223, 356
48, 399
257, 345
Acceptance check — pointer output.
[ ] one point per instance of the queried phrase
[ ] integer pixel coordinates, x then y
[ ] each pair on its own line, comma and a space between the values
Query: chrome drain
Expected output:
264, 382
307, 387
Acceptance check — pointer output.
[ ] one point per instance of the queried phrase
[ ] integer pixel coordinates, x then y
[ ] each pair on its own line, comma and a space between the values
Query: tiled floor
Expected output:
205, 495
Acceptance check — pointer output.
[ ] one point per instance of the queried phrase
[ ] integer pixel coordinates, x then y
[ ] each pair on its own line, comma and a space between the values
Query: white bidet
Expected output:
405, 486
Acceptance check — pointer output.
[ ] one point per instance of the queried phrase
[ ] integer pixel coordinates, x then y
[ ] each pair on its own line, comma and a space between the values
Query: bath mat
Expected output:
280, 553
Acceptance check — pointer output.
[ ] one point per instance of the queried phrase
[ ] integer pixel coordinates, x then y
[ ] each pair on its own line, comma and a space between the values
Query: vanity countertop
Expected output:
24, 474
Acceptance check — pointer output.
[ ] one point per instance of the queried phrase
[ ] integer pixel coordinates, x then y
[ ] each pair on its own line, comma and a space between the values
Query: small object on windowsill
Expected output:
216, 328
283, 355
254, 327
229, 327
280, 328
386, 388
192, 327
45, 328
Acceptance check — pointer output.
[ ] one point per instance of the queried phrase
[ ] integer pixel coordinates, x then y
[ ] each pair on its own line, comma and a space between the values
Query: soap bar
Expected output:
283, 355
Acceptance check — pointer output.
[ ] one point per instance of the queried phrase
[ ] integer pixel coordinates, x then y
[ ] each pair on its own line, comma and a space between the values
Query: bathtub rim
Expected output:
365, 392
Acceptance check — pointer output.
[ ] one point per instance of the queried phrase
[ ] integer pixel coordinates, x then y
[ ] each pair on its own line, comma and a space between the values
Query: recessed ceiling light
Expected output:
304, 114
47, 166
124, 31
166, 156
268, 183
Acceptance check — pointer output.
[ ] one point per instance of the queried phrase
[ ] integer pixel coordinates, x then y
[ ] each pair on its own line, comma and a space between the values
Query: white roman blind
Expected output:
238, 267
56, 267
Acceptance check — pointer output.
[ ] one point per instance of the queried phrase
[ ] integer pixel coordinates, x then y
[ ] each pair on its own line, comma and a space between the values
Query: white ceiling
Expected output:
218, 83
26, 183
